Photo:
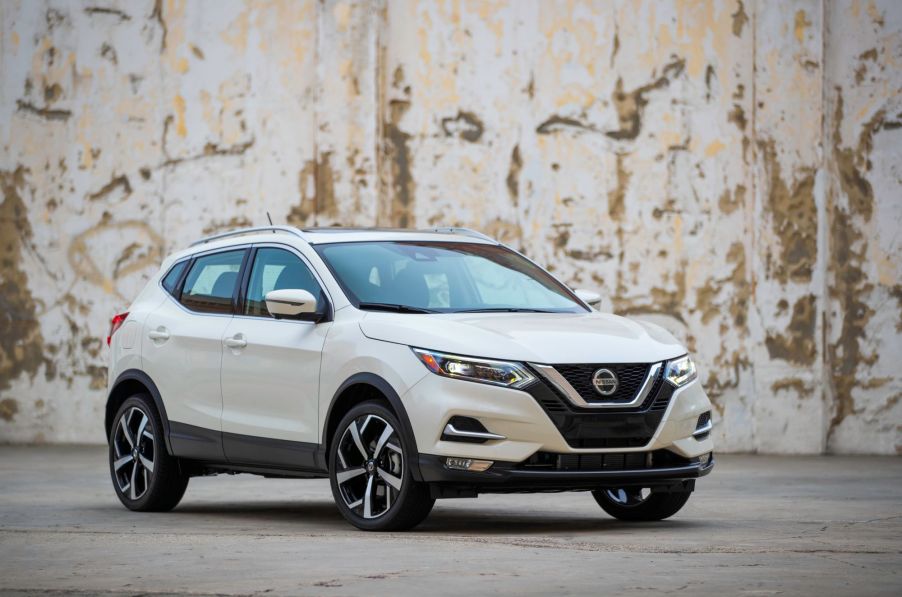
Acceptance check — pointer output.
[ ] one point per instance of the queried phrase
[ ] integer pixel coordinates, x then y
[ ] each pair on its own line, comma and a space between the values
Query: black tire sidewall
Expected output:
396, 513
657, 506
166, 485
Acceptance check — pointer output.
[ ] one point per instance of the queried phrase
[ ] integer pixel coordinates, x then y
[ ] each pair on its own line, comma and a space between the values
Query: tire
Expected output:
146, 478
369, 472
634, 505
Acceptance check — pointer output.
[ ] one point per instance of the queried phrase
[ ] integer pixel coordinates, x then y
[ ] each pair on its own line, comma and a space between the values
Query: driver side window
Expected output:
276, 269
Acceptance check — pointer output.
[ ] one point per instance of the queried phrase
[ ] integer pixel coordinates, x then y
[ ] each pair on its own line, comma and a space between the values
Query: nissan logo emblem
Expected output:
605, 382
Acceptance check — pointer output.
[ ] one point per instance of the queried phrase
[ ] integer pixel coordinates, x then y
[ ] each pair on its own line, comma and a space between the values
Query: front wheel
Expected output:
640, 504
370, 473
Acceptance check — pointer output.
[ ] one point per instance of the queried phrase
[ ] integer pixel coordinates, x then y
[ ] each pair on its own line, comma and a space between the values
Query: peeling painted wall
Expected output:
729, 169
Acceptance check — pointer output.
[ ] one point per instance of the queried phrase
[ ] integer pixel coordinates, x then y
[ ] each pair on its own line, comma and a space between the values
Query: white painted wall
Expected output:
728, 169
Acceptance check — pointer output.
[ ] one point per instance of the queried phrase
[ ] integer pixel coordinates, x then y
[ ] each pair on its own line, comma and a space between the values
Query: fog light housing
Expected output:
467, 464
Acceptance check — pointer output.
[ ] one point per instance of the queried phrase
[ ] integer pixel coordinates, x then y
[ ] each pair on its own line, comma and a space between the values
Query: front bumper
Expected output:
507, 477
529, 424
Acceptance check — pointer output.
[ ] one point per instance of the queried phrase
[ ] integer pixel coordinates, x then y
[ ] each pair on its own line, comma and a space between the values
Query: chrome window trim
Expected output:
563, 386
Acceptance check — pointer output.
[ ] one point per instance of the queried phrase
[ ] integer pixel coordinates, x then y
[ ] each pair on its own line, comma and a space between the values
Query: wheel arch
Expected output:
354, 390
129, 383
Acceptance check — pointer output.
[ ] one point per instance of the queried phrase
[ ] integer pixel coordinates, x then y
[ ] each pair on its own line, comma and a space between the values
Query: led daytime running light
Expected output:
499, 373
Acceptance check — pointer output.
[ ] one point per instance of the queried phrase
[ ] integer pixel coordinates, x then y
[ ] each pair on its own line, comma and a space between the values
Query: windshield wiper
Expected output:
393, 307
504, 310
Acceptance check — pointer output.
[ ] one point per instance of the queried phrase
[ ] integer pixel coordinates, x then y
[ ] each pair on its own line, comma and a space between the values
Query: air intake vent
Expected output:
703, 427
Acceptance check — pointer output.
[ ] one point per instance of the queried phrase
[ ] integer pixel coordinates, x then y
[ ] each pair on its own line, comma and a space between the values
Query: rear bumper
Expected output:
506, 477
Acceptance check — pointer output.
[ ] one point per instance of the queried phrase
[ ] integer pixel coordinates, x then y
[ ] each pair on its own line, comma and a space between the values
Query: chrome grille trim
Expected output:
563, 386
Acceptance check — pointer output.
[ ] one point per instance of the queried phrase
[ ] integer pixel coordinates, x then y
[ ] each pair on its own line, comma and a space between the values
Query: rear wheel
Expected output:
370, 474
639, 503
145, 477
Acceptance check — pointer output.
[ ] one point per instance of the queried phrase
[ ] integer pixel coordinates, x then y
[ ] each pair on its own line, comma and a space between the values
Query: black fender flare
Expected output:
147, 382
394, 399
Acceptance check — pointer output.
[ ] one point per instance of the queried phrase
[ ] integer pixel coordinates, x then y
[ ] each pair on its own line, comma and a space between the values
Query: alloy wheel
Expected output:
370, 469
133, 446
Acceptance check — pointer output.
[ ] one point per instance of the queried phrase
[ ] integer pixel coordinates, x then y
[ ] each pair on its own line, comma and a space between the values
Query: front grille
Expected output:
608, 428
616, 461
629, 377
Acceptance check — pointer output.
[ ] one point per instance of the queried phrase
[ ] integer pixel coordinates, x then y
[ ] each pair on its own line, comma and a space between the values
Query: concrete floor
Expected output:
756, 525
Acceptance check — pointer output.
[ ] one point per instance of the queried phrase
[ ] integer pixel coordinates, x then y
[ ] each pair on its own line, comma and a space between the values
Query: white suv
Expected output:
404, 365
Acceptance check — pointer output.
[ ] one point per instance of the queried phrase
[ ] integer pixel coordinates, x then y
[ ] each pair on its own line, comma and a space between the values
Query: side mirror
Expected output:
593, 299
290, 302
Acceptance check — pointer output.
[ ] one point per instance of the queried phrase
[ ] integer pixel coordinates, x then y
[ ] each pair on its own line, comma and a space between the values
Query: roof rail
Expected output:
462, 232
240, 231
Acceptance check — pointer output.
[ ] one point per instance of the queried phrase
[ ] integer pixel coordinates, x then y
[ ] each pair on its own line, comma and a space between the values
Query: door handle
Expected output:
158, 334
236, 341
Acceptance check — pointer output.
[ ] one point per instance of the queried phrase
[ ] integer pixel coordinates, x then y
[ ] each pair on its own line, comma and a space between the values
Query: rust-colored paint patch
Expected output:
402, 188
9, 408
117, 182
896, 293
43, 112
157, 15
862, 68
708, 301
316, 182
465, 125
97, 375
631, 104
617, 197
848, 259
230, 224
513, 175
21, 342
730, 201
794, 216
798, 344
791, 385
737, 117
131, 259
742, 289
556, 123
667, 301
739, 19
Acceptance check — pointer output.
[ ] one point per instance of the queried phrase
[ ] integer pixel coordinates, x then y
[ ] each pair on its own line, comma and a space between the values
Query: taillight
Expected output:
115, 324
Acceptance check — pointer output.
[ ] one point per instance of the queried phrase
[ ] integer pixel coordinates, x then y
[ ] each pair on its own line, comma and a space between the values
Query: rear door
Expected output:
270, 368
182, 350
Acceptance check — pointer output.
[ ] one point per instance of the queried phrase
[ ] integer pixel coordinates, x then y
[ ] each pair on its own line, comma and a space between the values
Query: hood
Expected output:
537, 337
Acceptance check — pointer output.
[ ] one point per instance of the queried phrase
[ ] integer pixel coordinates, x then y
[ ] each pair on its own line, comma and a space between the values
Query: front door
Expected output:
270, 369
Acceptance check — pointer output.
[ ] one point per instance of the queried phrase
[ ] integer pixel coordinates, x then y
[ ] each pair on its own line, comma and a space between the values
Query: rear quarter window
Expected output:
171, 279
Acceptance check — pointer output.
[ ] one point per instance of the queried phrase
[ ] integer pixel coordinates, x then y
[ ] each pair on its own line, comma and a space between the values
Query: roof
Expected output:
340, 234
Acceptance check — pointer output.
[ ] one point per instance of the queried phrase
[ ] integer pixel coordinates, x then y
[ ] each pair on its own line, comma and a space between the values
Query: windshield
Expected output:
443, 277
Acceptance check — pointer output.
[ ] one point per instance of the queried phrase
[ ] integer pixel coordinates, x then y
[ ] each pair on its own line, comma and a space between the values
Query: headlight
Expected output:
499, 373
680, 371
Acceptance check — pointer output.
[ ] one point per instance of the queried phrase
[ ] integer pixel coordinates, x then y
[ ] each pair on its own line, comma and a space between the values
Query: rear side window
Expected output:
171, 280
211, 282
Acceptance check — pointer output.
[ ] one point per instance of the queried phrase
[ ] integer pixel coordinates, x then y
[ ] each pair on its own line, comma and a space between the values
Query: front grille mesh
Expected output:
629, 377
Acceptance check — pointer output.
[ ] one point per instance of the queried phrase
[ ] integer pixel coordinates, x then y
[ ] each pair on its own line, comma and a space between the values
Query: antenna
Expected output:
269, 217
